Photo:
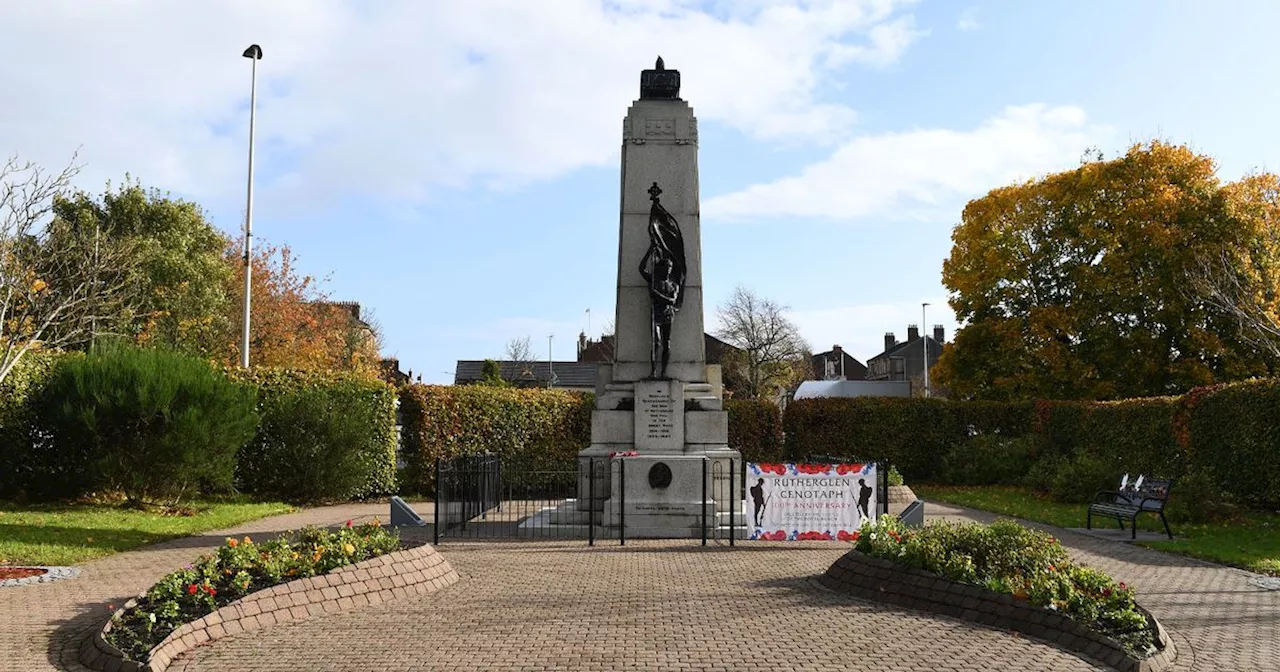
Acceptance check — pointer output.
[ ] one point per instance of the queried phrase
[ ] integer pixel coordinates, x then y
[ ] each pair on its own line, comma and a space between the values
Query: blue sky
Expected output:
454, 167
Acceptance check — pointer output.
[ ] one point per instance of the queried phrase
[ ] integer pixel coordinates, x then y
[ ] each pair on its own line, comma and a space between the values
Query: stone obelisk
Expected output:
659, 399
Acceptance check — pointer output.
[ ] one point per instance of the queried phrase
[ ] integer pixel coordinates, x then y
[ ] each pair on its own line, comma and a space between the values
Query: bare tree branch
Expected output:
1220, 283
519, 352
772, 347
63, 283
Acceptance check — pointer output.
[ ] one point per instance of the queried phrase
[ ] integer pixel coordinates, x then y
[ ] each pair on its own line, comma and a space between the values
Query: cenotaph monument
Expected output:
658, 402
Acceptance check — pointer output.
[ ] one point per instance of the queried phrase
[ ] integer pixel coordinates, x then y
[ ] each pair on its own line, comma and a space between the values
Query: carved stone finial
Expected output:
660, 83
654, 191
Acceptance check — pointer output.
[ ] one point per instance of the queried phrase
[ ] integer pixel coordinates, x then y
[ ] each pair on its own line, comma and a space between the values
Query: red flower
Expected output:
1052, 568
191, 589
211, 590
1106, 592
848, 536
348, 523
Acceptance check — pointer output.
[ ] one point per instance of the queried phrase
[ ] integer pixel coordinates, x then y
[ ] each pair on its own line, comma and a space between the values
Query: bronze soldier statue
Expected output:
663, 267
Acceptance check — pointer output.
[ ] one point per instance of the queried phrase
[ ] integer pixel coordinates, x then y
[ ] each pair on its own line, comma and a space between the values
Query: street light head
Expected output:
254, 52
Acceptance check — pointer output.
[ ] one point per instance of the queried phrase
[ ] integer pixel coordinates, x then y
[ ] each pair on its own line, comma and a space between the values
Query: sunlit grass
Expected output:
67, 534
1250, 541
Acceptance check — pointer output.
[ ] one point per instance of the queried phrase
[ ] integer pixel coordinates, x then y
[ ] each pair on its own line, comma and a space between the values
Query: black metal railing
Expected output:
481, 497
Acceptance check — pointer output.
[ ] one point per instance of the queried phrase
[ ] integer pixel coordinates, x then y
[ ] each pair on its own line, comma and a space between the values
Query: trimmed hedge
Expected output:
912, 434
1231, 434
1222, 441
755, 429
324, 435
528, 428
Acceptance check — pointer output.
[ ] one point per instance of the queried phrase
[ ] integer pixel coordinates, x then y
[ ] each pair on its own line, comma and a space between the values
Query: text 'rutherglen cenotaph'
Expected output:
658, 398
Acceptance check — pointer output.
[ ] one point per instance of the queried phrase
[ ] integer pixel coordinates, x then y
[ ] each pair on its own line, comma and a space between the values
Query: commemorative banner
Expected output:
802, 502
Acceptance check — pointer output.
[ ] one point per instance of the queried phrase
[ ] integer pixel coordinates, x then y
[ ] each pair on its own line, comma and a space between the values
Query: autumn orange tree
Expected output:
292, 322
1077, 285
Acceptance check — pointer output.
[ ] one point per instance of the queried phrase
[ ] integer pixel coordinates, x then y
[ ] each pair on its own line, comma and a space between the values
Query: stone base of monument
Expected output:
651, 496
643, 521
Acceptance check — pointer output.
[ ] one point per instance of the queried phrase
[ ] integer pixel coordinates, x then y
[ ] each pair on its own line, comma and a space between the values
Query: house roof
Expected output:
897, 349
567, 374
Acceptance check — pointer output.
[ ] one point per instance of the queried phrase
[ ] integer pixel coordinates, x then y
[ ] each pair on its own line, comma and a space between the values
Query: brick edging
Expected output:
871, 578
412, 571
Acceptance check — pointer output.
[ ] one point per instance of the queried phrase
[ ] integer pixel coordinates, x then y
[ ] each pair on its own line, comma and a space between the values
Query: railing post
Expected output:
704, 501
733, 503
591, 501
622, 499
436, 508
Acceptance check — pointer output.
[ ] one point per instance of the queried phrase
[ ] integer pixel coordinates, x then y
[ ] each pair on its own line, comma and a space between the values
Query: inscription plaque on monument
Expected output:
659, 415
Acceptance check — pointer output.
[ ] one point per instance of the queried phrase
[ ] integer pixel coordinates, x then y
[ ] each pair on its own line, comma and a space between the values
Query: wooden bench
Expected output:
1150, 496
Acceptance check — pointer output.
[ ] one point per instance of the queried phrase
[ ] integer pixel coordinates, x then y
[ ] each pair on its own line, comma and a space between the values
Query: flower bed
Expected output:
1011, 566
241, 571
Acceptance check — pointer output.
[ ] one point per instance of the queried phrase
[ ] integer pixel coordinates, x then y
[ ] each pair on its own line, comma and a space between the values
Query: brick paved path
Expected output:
651, 605
42, 625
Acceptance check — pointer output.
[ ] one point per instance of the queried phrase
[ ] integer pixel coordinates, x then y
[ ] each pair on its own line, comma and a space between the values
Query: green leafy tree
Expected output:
177, 259
491, 374
1075, 286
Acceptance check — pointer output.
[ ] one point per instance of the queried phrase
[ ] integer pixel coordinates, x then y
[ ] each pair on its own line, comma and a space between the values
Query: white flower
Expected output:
153, 617
1053, 606
873, 536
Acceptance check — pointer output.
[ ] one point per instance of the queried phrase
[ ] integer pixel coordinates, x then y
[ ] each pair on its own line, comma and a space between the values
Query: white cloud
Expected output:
393, 98
968, 20
859, 330
921, 174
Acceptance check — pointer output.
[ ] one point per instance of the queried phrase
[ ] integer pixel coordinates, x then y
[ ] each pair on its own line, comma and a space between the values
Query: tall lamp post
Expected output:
924, 339
551, 374
254, 54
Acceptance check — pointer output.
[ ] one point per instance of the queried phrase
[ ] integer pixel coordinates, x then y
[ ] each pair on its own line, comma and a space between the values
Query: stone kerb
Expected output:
881, 580
413, 571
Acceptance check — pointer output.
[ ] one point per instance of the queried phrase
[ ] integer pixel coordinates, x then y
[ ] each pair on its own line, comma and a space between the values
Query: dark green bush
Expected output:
755, 429
20, 465
324, 436
156, 425
1081, 475
988, 459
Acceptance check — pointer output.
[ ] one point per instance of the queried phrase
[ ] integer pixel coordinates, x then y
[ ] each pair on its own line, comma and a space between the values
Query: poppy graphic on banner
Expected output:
810, 502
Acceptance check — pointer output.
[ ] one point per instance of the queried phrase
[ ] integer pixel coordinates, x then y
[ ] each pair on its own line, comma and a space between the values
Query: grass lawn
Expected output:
68, 534
1251, 541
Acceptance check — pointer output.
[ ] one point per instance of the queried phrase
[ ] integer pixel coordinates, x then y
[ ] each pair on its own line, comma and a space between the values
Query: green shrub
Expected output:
528, 428
755, 429
20, 465
238, 568
1081, 475
1008, 558
324, 436
1232, 434
988, 459
154, 424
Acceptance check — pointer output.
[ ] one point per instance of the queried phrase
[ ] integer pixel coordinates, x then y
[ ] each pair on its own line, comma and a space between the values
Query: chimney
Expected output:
835, 349
913, 332
939, 333
582, 343
889, 341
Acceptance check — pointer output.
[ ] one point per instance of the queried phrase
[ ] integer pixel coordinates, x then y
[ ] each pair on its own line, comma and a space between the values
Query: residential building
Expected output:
836, 364
904, 360
572, 376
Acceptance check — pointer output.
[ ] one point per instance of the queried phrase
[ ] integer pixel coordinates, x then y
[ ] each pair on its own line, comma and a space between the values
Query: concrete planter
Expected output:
413, 571
882, 580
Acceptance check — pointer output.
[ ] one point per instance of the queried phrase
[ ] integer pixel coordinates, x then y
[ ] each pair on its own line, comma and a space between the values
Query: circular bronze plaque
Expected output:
659, 476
